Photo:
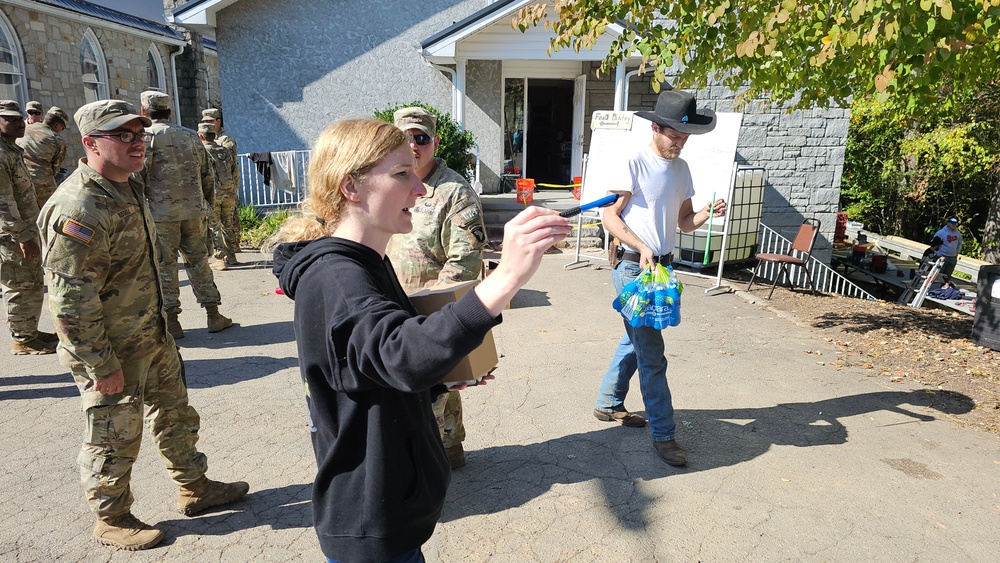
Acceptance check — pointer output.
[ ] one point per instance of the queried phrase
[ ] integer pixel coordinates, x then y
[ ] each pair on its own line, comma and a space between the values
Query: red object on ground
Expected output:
278, 291
525, 191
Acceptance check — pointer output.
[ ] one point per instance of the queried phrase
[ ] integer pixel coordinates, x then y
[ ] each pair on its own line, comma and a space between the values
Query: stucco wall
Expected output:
290, 68
802, 151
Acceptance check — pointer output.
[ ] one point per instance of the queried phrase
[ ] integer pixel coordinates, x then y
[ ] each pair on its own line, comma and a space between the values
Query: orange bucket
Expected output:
525, 191
577, 184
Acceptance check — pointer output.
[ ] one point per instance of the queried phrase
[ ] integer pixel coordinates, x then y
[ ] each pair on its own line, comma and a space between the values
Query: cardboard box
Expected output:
483, 359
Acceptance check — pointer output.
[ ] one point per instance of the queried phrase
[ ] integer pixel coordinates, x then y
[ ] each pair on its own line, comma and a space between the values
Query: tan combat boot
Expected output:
216, 321
174, 326
126, 532
219, 265
38, 345
205, 493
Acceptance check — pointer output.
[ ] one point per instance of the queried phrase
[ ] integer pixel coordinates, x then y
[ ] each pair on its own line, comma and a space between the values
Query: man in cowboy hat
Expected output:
655, 192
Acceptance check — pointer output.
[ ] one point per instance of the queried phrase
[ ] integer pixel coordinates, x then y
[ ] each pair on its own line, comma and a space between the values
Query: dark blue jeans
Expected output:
640, 349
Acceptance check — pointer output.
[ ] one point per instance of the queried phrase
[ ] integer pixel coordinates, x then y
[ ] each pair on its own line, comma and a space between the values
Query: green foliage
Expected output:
803, 52
456, 144
906, 177
255, 228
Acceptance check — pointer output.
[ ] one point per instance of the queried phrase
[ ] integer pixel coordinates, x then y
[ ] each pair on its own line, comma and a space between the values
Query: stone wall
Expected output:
51, 46
802, 151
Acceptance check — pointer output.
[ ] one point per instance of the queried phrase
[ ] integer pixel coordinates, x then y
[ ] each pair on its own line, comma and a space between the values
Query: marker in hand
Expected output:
603, 202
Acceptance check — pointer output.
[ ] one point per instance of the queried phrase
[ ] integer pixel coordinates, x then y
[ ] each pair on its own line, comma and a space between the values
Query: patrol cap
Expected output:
953, 220
205, 128
211, 114
59, 113
10, 108
106, 115
33, 106
151, 99
415, 118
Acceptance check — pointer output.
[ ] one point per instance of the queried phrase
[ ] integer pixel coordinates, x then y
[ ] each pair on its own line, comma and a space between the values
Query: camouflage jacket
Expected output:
18, 206
224, 166
448, 236
221, 138
99, 251
177, 176
44, 151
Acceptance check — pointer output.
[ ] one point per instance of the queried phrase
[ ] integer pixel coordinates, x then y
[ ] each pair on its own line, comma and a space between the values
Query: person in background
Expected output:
370, 363
34, 111
655, 190
180, 191
950, 249
44, 151
108, 310
224, 208
445, 245
230, 222
20, 249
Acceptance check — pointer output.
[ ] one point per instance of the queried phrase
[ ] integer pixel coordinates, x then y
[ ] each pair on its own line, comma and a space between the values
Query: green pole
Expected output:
708, 239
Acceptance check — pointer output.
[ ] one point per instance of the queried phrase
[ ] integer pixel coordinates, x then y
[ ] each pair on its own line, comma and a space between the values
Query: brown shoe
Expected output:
216, 320
671, 453
126, 532
218, 265
174, 326
37, 346
624, 417
205, 493
456, 456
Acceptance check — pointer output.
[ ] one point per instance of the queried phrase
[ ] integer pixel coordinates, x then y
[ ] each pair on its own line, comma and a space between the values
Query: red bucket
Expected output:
577, 184
525, 191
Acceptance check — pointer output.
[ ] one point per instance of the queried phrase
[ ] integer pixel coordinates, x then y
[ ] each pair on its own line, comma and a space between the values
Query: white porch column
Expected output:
620, 81
458, 94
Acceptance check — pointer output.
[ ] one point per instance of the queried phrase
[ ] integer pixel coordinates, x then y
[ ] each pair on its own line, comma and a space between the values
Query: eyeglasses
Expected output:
123, 136
422, 139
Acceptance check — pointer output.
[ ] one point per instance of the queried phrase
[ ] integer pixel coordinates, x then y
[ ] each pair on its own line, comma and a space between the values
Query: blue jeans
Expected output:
642, 349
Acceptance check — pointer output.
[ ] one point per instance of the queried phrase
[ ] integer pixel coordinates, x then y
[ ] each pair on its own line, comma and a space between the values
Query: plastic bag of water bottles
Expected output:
653, 299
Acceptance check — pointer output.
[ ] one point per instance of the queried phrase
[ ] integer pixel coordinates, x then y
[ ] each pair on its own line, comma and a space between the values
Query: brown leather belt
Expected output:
665, 259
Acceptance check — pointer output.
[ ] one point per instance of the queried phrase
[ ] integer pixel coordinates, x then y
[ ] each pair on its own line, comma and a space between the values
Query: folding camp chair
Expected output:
798, 255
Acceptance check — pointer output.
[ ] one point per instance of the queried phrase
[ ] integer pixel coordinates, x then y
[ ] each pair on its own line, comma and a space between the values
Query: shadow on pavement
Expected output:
617, 458
230, 371
238, 335
41, 393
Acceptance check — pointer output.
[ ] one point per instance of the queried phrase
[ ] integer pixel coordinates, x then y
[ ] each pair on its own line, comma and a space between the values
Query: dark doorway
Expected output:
549, 150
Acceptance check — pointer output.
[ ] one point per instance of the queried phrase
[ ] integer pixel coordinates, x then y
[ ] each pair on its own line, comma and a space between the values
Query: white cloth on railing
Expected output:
282, 173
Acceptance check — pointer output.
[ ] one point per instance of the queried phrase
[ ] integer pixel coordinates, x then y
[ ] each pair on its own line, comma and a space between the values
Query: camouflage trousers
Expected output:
113, 431
448, 413
225, 227
189, 238
23, 289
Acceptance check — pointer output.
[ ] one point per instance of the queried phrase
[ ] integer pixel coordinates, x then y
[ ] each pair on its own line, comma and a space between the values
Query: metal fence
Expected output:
286, 186
826, 278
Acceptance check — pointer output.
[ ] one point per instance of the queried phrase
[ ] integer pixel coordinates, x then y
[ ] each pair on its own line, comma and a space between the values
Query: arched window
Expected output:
11, 64
154, 70
93, 68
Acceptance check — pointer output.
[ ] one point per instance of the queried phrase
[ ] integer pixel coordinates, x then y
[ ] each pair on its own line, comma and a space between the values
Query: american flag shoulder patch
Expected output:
77, 230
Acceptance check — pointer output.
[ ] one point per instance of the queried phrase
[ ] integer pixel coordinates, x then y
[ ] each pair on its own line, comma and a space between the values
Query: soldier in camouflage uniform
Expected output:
232, 222
224, 164
107, 306
34, 111
445, 245
20, 252
44, 151
180, 191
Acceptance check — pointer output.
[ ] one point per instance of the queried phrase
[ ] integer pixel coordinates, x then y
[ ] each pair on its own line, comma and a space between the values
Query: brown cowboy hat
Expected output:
677, 110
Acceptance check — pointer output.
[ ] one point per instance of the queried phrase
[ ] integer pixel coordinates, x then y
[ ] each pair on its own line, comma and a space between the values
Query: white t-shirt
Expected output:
658, 186
952, 241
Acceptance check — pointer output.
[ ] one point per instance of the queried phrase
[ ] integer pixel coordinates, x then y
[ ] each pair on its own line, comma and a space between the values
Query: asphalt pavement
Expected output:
791, 458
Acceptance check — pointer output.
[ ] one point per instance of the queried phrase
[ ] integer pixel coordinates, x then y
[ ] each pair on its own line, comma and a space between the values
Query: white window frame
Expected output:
101, 77
157, 60
17, 53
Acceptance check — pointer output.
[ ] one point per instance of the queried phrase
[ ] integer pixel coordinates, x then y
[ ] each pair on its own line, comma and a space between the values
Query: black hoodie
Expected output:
369, 362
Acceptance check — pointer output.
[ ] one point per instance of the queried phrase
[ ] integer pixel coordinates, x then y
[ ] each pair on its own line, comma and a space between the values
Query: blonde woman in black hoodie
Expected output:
371, 364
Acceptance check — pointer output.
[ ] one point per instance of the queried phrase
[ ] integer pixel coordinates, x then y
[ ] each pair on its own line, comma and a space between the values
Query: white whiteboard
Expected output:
618, 135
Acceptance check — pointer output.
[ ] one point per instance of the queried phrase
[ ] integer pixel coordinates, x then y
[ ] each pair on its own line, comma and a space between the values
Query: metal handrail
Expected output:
826, 278
253, 191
